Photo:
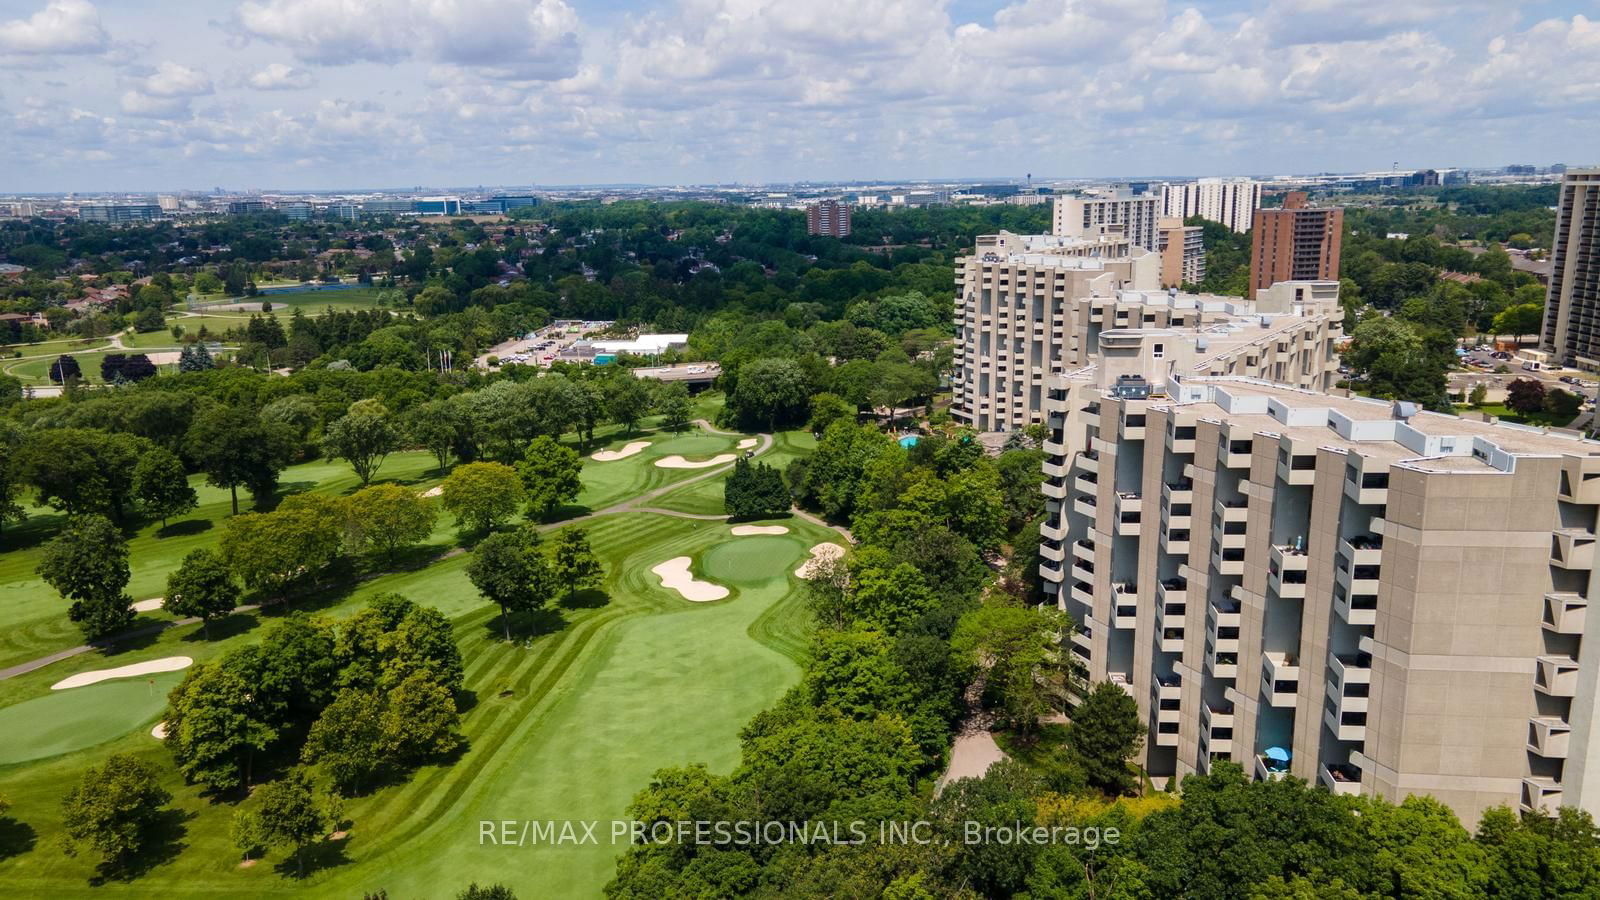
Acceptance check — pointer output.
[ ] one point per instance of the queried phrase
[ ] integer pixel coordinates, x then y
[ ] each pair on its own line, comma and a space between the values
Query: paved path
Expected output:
970, 757
105, 644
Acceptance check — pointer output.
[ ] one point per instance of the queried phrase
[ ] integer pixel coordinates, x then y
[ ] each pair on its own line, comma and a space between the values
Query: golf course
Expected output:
598, 691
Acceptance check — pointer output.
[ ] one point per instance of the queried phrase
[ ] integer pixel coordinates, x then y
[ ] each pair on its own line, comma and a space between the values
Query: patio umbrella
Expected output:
1277, 754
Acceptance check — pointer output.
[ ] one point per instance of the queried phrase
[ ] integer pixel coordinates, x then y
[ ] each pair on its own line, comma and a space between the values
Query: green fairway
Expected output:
75, 718
607, 483
704, 497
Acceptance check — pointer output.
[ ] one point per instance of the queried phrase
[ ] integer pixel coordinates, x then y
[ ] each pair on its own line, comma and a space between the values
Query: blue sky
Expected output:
117, 95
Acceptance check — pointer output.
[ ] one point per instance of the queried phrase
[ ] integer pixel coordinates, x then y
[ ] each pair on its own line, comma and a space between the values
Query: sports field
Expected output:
566, 724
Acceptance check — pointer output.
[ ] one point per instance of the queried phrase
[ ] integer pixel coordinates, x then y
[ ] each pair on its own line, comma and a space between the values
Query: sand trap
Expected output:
614, 455
149, 605
747, 443
434, 491
159, 732
818, 553
675, 576
678, 462
745, 530
168, 664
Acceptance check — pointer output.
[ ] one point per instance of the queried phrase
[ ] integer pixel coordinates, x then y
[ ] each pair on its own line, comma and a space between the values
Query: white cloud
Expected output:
171, 79
522, 39
281, 77
63, 26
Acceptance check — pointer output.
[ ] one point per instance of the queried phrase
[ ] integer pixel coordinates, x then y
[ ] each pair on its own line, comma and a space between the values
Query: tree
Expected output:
482, 494
770, 390
550, 474
68, 469
1564, 405
387, 517
509, 571
217, 721
362, 437
247, 834
87, 563
627, 400
672, 401
755, 491
1479, 394
1525, 395
347, 739
1105, 732
115, 367
1524, 318
439, 426
290, 815
1020, 475
234, 447
829, 408
196, 357
112, 809
1017, 645
65, 369
162, 486
299, 539
202, 586
419, 720
474, 891
575, 563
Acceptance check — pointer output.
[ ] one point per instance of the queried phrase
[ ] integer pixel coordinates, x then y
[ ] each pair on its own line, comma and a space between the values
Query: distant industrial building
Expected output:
643, 345
348, 212
829, 217
119, 212
437, 206
1572, 300
1295, 243
296, 211
1232, 202
1085, 217
247, 207
1183, 253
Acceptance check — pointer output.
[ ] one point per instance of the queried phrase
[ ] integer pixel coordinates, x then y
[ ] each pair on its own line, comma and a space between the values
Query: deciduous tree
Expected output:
234, 447
482, 494
290, 815
387, 517
574, 561
112, 810
201, 586
550, 475
509, 571
363, 437
87, 563
162, 486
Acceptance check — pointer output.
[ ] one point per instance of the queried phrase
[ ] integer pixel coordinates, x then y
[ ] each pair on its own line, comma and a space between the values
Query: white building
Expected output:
1106, 210
643, 345
1231, 201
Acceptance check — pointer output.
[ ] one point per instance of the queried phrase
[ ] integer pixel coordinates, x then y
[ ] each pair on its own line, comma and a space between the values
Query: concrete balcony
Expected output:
1270, 769
1054, 488
1222, 665
1233, 541
1369, 490
1340, 778
1296, 471
1360, 609
1131, 427
1228, 562
1083, 549
1173, 590
1173, 519
1052, 550
1232, 510
1124, 617
1084, 638
1181, 439
1346, 669
1121, 680
1181, 492
1564, 612
1171, 640
1549, 736
1288, 559
1541, 795
1175, 541
1217, 724
1128, 514
1350, 727
1361, 580
1234, 454
1083, 592
1089, 461
1362, 550
1556, 676
1053, 404
1280, 678
1053, 448
1054, 468
1290, 584
1167, 734
1049, 571
1580, 480
1052, 532
1572, 548
1084, 505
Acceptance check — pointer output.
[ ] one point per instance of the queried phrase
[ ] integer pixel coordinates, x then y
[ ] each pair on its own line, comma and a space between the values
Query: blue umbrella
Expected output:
1278, 754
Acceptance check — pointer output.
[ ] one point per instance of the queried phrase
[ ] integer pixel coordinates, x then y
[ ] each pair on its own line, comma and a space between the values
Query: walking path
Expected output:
974, 750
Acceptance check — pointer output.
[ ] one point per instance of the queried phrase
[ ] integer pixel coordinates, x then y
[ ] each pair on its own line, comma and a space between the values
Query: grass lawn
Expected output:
607, 483
74, 718
37, 371
1507, 414
311, 302
705, 497
614, 686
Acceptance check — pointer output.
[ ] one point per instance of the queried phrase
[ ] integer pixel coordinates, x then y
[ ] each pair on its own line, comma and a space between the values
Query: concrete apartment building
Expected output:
1183, 253
1380, 600
828, 217
119, 212
1572, 299
1098, 211
1231, 201
1030, 307
1295, 243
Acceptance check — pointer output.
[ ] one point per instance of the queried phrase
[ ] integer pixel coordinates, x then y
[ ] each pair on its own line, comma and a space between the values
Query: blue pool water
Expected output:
908, 441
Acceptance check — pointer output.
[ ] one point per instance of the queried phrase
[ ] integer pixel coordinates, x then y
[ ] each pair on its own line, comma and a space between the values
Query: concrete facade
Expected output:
1231, 201
1095, 213
828, 217
1183, 253
1296, 243
1395, 599
1572, 299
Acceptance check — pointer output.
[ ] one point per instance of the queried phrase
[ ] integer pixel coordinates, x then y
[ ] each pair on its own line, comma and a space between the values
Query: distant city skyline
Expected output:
114, 95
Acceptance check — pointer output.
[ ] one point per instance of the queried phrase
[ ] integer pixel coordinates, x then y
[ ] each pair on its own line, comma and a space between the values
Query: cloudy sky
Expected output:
123, 95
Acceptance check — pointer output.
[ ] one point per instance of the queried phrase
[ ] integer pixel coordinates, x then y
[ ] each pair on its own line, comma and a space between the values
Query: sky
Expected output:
111, 95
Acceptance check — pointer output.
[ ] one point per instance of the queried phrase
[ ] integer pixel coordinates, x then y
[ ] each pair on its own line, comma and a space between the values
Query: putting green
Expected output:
76, 718
752, 560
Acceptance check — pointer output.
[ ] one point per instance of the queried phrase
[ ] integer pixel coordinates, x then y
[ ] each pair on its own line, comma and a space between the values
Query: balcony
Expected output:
1173, 590
1052, 447
1131, 427
1222, 628
1180, 438
1125, 617
1541, 795
1049, 571
1270, 769
1084, 505
1171, 640
1580, 480
1168, 687
1348, 668
1166, 734
1228, 561
1564, 612
1340, 778
1054, 469
1237, 510
1128, 514
1360, 609
1055, 402
1217, 724
1222, 665
1351, 726
1051, 532
1290, 584
1298, 470
1356, 580
1234, 454
1083, 549
1556, 676
1177, 492
1572, 548
1053, 551
1175, 541
1370, 489
1289, 559
1089, 461
1233, 537
1083, 592
1280, 678
1120, 679
1363, 550
1549, 736
1054, 488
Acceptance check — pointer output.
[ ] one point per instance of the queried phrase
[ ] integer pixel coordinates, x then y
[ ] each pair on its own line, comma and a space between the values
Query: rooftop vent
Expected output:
1404, 410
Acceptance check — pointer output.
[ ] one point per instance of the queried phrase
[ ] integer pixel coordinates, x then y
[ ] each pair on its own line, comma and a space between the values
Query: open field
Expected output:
311, 302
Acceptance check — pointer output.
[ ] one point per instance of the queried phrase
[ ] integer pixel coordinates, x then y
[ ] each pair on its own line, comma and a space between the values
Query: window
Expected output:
1158, 351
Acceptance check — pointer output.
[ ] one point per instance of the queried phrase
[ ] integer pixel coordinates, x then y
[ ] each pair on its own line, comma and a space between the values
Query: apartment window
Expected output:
1158, 351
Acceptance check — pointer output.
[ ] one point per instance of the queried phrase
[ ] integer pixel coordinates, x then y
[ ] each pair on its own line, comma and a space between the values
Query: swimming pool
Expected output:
909, 441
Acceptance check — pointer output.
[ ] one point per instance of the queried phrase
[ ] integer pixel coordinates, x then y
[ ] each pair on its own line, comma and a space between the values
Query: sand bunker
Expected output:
614, 455
747, 443
149, 605
745, 530
159, 732
678, 462
675, 576
168, 664
818, 553
434, 491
